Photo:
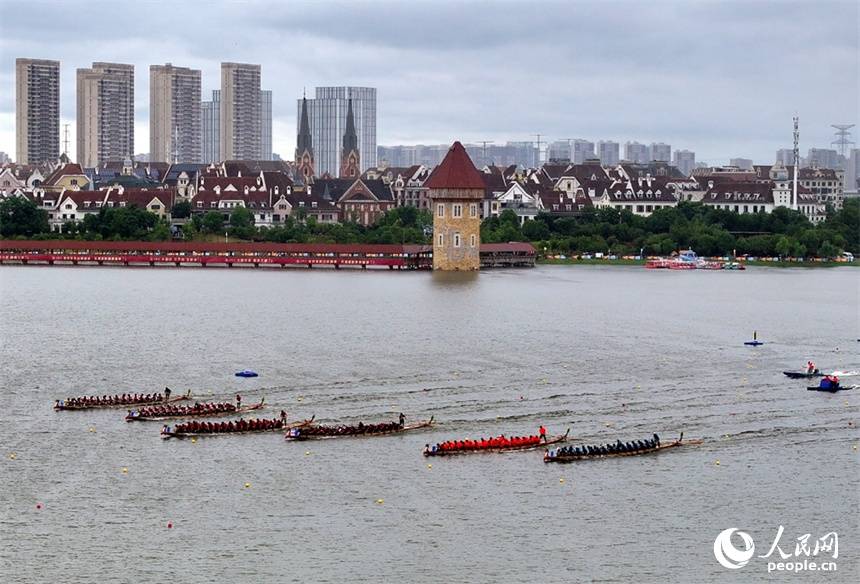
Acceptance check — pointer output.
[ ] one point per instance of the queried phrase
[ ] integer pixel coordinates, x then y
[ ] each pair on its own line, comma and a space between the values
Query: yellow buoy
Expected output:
855, 447
561, 480
247, 485
307, 452
92, 429
608, 424
717, 463
12, 456
380, 501
194, 440
431, 466
125, 470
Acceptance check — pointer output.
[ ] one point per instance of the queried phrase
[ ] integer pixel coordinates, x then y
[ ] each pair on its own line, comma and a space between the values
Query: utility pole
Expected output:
66, 139
842, 135
484, 150
796, 161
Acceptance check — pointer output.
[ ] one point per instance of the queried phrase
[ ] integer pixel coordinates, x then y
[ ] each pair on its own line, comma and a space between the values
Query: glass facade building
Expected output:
211, 124
266, 124
327, 119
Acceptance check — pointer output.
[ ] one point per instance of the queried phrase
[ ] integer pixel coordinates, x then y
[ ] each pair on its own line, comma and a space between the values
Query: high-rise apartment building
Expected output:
608, 152
685, 161
742, 163
582, 150
174, 120
105, 113
240, 123
635, 152
659, 151
823, 158
785, 156
852, 174
266, 124
211, 127
327, 117
37, 111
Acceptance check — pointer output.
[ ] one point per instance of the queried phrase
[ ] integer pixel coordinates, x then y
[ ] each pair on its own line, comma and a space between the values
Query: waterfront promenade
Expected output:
187, 254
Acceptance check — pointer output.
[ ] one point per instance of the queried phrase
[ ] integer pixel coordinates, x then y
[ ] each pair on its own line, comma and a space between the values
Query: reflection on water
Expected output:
609, 352
454, 279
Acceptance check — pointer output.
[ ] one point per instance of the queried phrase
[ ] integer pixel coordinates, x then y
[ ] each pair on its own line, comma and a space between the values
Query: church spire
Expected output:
304, 145
349, 163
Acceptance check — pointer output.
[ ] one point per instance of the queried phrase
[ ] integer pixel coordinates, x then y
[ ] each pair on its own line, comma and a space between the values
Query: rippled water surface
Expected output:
608, 352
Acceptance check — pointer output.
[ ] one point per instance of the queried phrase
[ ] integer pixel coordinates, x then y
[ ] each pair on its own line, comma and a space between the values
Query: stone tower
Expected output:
304, 147
456, 190
349, 160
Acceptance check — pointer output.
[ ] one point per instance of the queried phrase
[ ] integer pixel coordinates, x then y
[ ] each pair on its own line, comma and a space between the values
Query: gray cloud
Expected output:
720, 78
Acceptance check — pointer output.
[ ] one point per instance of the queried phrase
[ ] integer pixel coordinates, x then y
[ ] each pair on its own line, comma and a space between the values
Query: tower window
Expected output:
456, 240
457, 211
440, 240
472, 240
440, 211
473, 210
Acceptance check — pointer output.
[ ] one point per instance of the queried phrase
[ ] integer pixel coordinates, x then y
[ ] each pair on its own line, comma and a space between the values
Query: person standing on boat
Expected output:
542, 433
166, 394
810, 367
402, 419
238, 401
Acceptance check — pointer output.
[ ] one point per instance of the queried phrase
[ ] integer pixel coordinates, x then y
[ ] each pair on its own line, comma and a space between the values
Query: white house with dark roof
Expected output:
740, 197
641, 196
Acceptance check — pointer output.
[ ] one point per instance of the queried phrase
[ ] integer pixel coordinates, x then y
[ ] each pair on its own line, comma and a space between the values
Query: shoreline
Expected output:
756, 263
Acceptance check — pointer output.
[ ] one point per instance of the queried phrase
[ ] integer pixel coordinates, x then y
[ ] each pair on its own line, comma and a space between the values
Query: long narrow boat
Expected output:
167, 433
354, 431
802, 374
61, 406
177, 412
520, 447
574, 458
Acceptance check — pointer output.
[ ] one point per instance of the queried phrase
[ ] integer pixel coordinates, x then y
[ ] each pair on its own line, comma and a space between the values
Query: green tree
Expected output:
181, 210
828, 250
21, 217
213, 222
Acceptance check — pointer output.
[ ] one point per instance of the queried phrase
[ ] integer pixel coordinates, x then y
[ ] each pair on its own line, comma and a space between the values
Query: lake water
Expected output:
607, 352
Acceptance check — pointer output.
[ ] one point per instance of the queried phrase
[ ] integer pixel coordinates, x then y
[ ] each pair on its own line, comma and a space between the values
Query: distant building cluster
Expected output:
217, 156
182, 128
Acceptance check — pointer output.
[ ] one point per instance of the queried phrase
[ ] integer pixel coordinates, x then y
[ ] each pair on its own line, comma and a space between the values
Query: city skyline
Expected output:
438, 90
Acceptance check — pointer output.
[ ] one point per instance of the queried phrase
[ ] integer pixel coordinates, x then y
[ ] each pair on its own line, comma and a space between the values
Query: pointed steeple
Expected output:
350, 166
304, 146
304, 141
350, 138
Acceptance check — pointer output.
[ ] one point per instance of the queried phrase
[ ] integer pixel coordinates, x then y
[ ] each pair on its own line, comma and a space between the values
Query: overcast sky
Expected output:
721, 78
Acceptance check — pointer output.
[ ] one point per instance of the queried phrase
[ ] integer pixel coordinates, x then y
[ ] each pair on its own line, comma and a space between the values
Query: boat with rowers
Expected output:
616, 449
316, 432
195, 429
198, 410
118, 401
500, 443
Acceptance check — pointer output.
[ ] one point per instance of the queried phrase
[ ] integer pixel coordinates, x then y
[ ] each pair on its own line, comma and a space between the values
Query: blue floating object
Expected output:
751, 343
246, 373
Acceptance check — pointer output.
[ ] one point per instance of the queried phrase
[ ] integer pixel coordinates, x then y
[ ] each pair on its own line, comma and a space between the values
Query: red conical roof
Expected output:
456, 172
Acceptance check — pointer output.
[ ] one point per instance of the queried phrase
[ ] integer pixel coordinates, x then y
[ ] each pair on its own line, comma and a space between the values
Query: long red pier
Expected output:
181, 253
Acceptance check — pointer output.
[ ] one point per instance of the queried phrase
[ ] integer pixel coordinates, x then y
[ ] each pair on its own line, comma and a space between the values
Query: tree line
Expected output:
707, 230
